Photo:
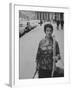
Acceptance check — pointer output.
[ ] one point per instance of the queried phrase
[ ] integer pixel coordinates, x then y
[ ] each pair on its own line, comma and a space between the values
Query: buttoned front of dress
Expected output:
46, 54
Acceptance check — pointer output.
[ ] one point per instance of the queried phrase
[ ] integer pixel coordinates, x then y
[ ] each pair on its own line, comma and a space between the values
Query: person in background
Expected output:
41, 22
62, 24
58, 23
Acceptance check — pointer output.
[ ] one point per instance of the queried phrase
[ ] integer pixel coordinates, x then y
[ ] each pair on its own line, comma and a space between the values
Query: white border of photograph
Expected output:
14, 46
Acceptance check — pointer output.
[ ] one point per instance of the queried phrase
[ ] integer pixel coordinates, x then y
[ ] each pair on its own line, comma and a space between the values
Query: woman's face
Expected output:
48, 32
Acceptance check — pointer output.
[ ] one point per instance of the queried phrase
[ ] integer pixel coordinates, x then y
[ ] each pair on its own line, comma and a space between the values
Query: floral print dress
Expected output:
44, 56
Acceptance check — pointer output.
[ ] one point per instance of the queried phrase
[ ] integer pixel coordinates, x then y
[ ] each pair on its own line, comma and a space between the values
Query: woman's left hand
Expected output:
55, 58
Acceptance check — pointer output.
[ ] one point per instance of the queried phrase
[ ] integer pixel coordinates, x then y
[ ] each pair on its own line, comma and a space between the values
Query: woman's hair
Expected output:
48, 25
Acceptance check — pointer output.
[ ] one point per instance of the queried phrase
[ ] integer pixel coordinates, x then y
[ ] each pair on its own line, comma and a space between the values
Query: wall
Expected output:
4, 41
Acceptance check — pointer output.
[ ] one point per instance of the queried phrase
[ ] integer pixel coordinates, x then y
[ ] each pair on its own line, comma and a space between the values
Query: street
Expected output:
28, 45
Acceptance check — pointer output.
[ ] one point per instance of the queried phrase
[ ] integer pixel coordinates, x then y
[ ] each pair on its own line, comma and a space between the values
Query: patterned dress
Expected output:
44, 57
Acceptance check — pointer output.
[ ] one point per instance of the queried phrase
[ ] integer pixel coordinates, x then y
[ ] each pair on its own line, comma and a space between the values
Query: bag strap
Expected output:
54, 54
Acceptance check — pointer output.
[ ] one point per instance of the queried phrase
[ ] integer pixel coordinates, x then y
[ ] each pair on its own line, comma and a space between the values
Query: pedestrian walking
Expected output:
45, 59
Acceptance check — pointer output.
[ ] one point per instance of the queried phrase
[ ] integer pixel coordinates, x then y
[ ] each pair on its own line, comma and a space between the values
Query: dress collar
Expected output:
46, 38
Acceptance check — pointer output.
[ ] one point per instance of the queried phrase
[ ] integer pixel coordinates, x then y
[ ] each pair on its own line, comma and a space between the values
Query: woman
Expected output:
44, 58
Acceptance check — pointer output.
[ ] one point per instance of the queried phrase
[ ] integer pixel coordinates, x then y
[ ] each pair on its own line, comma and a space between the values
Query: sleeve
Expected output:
38, 55
57, 50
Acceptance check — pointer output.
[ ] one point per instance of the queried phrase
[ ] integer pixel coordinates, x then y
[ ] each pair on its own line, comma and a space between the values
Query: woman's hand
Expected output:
55, 58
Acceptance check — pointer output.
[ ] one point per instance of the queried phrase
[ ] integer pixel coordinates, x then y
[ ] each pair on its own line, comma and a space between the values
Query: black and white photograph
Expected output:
41, 44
